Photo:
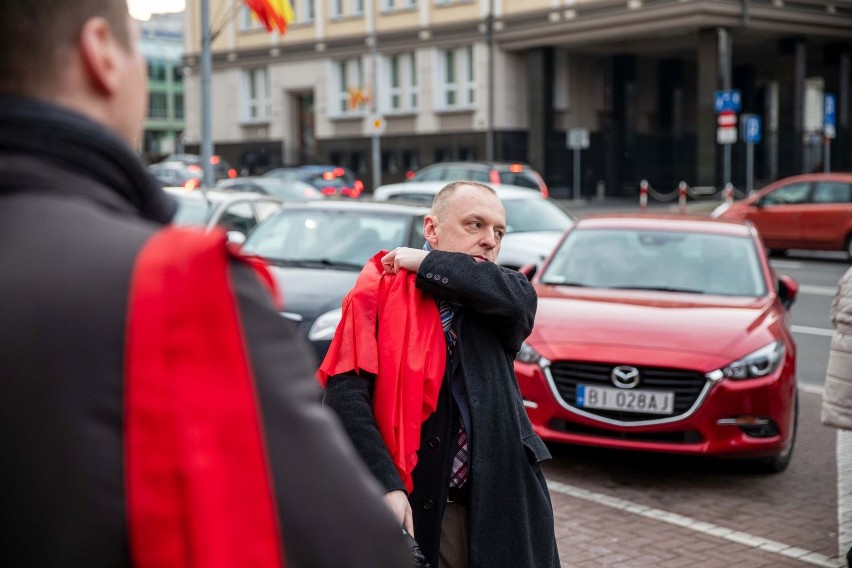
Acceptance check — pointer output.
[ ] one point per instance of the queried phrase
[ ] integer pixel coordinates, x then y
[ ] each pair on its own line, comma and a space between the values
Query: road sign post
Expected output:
829, 121
727, 104
751, 135
578, 139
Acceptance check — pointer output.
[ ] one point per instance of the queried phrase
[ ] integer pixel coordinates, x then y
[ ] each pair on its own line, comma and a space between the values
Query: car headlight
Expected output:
529, 355
324, 326
759, 363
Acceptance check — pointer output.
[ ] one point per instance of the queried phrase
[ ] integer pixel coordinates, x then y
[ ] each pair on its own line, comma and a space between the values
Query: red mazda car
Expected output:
663, 333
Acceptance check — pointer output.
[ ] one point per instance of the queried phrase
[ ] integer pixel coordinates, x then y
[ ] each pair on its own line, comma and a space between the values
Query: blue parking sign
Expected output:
829, 111
751, 124
727, 100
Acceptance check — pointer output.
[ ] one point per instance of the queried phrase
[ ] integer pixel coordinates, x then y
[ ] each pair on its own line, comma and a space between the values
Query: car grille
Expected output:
686, 386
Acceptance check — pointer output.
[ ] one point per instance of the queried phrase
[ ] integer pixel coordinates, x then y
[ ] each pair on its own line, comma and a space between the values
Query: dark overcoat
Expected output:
509, 511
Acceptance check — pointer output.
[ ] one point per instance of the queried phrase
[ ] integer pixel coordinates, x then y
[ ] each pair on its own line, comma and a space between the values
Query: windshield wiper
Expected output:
560, 283
658, 289
313, 263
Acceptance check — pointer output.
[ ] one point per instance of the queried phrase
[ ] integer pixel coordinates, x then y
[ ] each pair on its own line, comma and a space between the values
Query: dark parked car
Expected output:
492, 173
175, 174
330, 180
316, 250
222, 169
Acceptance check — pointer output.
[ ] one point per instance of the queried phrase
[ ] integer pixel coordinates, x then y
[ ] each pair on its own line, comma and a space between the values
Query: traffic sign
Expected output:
752, 127
376, 123
727, 100
726, 135
829, 116
726, 118
578, 138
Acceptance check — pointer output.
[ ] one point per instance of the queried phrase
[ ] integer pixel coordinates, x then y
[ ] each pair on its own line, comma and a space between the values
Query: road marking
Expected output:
844, 491
812, 330
818, 290
738, 537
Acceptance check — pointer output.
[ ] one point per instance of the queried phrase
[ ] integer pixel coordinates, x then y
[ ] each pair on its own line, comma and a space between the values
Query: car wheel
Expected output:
849, 246
778, 463
776, 252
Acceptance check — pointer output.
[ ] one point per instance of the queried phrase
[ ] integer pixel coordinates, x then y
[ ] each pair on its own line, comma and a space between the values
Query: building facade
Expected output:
162, 44
508, 79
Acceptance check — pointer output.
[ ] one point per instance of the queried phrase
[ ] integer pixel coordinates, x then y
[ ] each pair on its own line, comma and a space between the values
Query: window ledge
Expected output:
349, 117
456, 110
250, 122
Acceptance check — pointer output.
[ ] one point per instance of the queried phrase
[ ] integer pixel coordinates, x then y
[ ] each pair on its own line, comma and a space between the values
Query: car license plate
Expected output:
651, 402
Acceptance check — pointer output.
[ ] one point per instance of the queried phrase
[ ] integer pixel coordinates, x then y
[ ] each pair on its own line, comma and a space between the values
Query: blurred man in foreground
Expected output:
156, 410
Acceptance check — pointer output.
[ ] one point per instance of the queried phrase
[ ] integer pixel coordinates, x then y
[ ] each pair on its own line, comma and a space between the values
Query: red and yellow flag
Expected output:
274, 14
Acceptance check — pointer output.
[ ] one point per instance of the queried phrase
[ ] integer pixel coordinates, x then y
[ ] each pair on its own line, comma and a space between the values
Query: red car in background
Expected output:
812, 211
663, 333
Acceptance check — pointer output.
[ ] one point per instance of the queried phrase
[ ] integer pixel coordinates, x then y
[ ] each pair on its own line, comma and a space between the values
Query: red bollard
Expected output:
728, 193
643, 195
681, 197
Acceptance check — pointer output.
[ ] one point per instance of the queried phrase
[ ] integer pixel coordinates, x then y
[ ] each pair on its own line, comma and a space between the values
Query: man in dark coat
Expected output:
479, 497
76, 208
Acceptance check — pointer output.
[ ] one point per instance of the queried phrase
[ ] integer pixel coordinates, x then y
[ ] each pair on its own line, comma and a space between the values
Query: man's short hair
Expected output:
442, 198
35, 33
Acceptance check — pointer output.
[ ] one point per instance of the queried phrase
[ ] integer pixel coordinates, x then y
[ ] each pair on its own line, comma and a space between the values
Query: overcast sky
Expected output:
142, 9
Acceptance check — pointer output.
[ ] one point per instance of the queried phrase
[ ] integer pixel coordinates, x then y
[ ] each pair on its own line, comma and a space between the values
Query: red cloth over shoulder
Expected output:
392, 330
199, 491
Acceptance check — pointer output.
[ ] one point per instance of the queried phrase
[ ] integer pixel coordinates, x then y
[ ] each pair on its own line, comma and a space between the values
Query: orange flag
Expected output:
274, 14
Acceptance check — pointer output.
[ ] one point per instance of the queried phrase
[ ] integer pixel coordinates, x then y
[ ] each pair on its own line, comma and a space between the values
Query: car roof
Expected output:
480, 163
367, 206
824, 176
217, 195
665, 222
504, 190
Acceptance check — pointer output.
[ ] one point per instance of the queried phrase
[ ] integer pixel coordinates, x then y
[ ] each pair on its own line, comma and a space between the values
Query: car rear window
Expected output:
521, 179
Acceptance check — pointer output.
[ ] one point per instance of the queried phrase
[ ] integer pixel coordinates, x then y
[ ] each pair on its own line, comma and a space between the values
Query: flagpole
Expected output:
206, 113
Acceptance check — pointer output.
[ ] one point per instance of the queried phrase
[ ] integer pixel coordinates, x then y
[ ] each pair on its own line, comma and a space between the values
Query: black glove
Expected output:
417, 556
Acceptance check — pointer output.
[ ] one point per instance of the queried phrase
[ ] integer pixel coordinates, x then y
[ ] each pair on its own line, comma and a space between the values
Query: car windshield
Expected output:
192, 210
336, 238
288, 190
698, 263
528, 215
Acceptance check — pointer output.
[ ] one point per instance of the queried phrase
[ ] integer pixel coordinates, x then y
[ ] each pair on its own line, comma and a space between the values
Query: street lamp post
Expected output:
489, 42
206, 113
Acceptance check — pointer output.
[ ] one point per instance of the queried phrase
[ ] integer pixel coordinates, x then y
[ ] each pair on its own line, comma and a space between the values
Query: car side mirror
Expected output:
787, 290
529, 270
236, 238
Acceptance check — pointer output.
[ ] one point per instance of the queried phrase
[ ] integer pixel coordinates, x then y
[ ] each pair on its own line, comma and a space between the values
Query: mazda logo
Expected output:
625, 377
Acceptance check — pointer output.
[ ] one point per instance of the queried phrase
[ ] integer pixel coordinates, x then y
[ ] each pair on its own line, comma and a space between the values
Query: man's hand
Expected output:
403, 257
397, 502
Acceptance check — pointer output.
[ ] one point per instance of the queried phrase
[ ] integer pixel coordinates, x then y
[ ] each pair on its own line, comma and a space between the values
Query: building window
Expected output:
158, 106
456, 78
349, 96
392, 5
337, 8
248, 21
400, 82
255, 103
303, 10
156, 70
179, 105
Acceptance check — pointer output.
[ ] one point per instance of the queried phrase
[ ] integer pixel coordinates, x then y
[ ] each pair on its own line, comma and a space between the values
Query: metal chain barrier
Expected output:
728, 194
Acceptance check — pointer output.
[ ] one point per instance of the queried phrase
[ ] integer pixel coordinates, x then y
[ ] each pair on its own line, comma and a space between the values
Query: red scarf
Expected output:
408, 355
199, 492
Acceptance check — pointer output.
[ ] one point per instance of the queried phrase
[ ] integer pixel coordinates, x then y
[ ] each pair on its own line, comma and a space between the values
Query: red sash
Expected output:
199, 492
408, 355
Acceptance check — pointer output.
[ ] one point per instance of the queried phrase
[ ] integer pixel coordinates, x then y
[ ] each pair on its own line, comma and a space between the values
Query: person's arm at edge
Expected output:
350, 396
499, 294
330, 507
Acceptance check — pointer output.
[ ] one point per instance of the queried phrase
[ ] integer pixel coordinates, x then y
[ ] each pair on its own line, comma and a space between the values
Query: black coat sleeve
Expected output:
502, 297
351, 397
330, 507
